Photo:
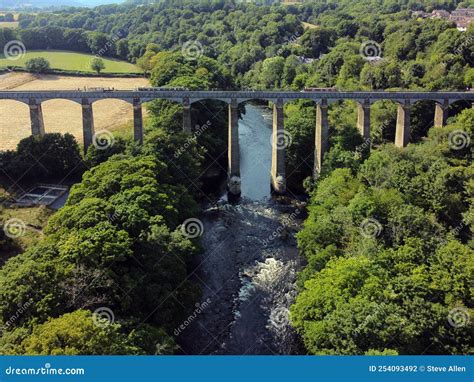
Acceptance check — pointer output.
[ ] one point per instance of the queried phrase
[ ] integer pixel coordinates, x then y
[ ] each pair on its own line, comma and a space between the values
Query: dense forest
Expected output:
390, 252
263, 46
388, 241
119, 242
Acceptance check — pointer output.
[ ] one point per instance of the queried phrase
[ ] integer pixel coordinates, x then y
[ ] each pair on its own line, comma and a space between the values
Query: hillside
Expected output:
72, 61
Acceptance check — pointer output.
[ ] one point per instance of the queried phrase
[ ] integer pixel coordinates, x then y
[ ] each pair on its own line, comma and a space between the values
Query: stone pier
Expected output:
279, 143
441, 114
137, 120
402, 133
280, 140
363, 119
234, 149
87, 123
321, 135
36, 117
187, 116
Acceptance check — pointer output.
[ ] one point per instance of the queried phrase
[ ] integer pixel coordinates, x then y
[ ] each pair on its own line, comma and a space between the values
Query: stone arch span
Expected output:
14, 123
62, 116
425, 113
111, 113
457, 106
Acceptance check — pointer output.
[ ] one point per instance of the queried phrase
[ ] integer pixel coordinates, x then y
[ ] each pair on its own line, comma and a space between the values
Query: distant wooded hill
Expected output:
24, 4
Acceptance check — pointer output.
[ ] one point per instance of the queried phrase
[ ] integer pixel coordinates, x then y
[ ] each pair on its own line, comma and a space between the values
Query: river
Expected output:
248, 268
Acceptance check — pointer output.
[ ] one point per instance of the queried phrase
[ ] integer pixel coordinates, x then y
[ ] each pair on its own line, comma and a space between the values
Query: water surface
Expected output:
255, 131
247, 270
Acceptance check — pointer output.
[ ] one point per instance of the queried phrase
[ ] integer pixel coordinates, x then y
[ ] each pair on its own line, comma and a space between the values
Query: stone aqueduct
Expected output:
322, 99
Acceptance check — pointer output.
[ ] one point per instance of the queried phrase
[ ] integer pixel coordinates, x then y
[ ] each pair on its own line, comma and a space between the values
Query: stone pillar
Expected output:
441, 114
187, 116
36, 118
402, 134
363, 119
321, 135
234, 149
87, 123
137, 121
279, 143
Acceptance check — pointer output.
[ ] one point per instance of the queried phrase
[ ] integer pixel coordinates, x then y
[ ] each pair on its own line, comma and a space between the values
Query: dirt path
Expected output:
60, 115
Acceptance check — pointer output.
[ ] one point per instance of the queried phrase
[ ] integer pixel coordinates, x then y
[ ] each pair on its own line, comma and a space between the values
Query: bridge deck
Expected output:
239, 95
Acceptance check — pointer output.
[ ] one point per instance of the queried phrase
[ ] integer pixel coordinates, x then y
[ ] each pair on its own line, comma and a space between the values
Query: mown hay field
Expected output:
60, 115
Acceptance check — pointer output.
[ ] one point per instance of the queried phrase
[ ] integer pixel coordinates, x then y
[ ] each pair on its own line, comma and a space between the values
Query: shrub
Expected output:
38, 65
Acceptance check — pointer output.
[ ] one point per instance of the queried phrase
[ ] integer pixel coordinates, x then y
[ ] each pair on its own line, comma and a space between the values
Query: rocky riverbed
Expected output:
247, 271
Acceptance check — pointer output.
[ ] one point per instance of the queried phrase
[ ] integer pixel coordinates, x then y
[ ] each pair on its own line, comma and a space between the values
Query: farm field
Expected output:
60, 115
309, 26
9, 24
71, 61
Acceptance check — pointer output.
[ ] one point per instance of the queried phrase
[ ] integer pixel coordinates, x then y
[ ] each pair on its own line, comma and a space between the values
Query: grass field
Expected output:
72, 61
308, 25
9, 24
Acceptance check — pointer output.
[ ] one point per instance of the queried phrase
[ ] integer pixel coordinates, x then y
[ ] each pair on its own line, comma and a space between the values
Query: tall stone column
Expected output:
137, 121
187, 116
402, 134
36, 117
321, 135
441, 113
279, 142
363, 119
87, 123
234, 149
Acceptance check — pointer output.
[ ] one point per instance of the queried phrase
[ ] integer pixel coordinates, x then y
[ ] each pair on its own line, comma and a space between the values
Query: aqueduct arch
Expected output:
14, 123
323, 98
51, 121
